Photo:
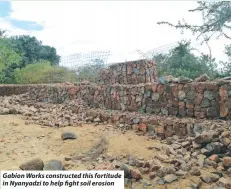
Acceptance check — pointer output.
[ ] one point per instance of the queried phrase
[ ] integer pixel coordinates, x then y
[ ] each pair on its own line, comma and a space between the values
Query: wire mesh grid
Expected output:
84, 66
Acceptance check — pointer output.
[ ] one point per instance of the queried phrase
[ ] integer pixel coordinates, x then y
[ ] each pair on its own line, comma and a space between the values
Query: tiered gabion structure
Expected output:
133, 72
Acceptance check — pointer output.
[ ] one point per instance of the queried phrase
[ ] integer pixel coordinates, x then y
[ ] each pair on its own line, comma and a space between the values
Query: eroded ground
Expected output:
20, 143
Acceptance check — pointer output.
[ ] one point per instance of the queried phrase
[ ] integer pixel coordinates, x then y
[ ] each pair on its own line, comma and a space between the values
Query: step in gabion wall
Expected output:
134, 72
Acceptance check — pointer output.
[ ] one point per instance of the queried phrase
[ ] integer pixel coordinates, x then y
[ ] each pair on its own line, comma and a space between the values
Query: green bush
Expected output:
43, 72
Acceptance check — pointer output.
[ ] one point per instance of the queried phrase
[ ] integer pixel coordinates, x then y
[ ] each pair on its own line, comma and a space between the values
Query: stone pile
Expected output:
67, 114
134, 72
200, 149
180, 158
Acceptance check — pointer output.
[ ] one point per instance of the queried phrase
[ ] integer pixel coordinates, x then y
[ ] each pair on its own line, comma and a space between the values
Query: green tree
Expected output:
9, 59
181, 61
216, 21
33, 50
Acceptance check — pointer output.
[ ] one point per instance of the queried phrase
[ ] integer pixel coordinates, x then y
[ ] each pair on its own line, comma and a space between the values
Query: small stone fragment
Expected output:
53, 165
170, 178
68, 135
136, 174
227, 161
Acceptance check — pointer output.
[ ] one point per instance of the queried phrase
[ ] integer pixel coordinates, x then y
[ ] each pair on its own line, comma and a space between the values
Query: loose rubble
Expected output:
197, 149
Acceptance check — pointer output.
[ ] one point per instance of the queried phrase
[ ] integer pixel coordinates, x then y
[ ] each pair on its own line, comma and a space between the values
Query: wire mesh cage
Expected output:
84, 66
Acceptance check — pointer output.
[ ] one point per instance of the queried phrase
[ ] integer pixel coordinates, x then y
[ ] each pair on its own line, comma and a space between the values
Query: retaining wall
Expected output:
134, 72
131, 87
200, 100
8, 90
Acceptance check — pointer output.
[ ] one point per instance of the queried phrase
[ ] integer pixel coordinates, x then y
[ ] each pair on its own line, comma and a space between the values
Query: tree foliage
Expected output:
9, 60
18, 52
216, 18
43, 72
181, 61
33, 50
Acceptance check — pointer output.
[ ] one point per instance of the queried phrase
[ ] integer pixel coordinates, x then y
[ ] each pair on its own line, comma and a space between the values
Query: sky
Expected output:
121, 27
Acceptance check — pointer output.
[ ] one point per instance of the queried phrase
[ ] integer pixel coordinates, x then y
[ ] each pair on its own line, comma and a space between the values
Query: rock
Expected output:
127, 182
197, 129
183, 79
201, 159
184, 166
136, 120
176, 146
226, 134
185, 144
155, 96
97, 119
181, 95
170, 178
127, 171
165, 170
226, 141
210, 95
154, 167
4, 111
135, 174
205, 152
209, 178
67, 158
195, 182
229, 147
139, 163
162, 157
181, 173
214, 157
196, 145
204, 137
220, 168
211, 163
227, 161
215, 148
146, 183
195, 171
223, 182
68, 135
35, 164
27, 122
53, 165
205, 103
202, 78
159, 180
152, 175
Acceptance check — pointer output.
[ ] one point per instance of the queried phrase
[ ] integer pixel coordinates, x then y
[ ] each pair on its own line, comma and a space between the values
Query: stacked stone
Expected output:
200, 100
134, 72
8, 90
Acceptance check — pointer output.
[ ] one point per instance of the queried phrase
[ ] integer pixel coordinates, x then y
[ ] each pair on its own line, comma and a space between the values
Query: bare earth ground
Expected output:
20, 143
